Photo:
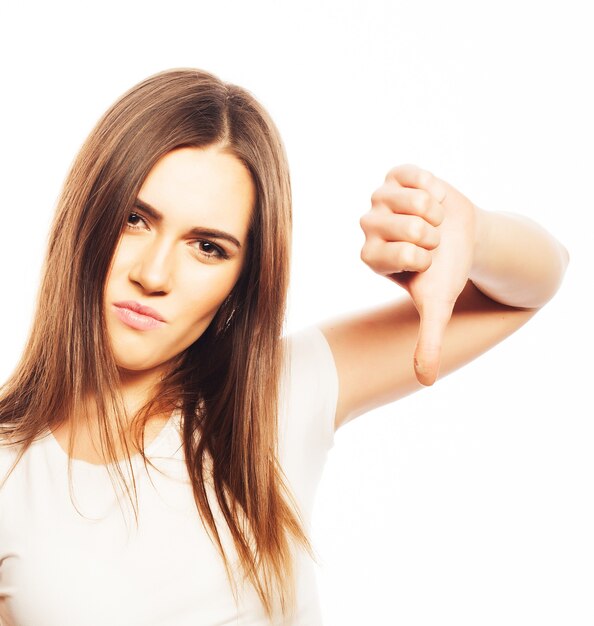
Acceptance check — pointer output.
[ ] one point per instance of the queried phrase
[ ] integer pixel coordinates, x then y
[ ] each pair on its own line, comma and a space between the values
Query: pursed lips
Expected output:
136, 307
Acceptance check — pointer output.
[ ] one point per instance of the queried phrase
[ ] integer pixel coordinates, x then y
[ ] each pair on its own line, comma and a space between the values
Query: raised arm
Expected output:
473, 277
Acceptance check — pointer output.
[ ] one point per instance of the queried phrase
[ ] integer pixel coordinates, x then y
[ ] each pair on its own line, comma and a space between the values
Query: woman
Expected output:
156, 359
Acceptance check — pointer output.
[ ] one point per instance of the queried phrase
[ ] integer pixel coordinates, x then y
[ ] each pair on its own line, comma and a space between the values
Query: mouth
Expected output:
138, 316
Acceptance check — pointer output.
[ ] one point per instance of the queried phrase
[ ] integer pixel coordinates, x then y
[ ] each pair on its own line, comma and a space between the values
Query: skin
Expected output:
473, 277
158, 264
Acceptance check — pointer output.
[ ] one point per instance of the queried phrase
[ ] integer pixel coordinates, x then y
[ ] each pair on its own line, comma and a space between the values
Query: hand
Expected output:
421, 232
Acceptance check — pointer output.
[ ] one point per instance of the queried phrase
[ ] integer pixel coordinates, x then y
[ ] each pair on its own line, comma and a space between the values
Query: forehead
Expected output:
203, 187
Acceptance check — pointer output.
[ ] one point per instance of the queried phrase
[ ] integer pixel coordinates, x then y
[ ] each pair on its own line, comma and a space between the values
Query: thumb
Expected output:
434, 319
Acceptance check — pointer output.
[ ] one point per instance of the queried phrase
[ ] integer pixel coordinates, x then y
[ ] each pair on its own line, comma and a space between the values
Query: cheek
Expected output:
115, 267
208, 292
198, 312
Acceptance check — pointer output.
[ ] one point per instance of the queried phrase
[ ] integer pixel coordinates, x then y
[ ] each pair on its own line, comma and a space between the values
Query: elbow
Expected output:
564, 258
556, 274
562, 265
552, 271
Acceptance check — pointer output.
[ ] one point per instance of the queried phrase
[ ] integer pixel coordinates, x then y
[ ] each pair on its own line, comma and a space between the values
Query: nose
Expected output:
152, 268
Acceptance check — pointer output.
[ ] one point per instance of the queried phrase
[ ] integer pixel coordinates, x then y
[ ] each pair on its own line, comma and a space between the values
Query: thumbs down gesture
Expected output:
421, 233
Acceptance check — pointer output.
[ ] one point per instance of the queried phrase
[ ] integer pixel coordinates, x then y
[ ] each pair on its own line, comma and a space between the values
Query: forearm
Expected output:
516, 261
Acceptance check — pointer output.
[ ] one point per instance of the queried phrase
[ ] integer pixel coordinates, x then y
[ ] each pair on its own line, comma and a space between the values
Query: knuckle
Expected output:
407, 254
365, 221
424, 178
423, 202
410, 168
370, 222
398, 170
416, 230
394, 172
434, 237
424, 260
378, 196
368, 254
413, 258
402, 171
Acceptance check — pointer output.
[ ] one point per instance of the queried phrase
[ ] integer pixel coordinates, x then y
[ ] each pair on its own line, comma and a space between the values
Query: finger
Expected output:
413, 176
386, 257
432, 327
395, 227
419, 202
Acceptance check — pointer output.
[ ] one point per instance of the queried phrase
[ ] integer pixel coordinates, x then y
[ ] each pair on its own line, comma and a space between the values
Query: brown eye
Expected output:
209, 249
133, 217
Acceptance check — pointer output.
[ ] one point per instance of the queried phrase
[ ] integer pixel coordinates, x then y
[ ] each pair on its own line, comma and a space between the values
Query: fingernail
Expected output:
423, 374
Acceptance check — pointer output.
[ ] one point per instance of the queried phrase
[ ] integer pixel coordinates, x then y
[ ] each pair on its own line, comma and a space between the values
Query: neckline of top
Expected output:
135, 458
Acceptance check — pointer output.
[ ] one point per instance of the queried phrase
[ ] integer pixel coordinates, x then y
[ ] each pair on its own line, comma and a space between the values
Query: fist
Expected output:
401, 228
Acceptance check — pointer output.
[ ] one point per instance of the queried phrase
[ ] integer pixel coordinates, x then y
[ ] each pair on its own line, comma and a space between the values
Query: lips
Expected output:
136, 320
139, 308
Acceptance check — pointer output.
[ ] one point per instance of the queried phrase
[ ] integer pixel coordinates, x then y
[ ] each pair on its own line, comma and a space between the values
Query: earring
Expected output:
223, 314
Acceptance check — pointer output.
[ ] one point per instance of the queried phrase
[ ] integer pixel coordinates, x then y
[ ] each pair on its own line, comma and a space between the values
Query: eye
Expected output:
132, 217
210, 250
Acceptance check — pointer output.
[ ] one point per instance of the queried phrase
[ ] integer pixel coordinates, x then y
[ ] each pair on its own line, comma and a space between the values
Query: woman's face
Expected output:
181, 253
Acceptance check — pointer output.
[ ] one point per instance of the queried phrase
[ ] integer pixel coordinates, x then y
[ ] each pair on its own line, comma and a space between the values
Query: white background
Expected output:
468, 503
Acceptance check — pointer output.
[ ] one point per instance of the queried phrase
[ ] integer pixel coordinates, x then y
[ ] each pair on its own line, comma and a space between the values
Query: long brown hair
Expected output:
227, 382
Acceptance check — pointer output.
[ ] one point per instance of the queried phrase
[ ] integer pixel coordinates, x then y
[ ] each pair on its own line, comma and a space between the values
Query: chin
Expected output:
136, 365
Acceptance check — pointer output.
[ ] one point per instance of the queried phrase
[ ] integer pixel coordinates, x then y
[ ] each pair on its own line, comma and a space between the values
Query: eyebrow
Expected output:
197, 231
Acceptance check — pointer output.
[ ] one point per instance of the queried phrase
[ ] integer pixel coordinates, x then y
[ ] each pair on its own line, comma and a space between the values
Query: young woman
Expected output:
156, 372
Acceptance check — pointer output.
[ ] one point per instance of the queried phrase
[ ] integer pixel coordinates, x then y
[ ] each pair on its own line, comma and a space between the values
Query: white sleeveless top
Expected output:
58, 568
